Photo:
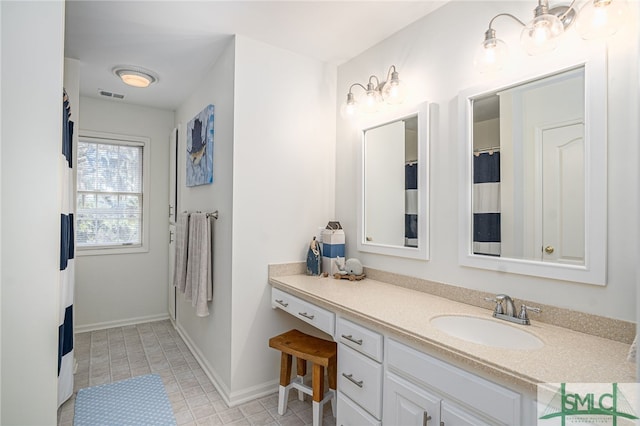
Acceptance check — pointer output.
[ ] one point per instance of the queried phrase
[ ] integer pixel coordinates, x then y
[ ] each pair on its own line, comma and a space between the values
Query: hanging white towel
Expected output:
199, 269
182, 241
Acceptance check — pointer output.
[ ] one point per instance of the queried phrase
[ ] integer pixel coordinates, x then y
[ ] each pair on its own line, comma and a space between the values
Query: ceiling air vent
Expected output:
110, 94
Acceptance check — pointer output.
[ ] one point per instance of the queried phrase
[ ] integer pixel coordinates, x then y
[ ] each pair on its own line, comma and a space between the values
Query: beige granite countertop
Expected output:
567, 356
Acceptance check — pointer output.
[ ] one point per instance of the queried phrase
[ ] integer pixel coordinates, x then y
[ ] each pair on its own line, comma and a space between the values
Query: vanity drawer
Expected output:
489, 398
359, 338
349, 414
316, 316
282, 300
308, 312
360, 378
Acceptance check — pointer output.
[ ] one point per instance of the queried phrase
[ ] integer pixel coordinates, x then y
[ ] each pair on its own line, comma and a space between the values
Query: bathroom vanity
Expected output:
395, 366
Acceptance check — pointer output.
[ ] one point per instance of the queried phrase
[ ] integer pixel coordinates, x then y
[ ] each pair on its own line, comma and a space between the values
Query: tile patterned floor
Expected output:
107, 356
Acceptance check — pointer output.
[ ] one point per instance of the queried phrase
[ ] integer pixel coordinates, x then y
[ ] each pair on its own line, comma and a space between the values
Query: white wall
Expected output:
1, 221
32, 64
273, 187
423, 54
118, 289
283, 177
211, 336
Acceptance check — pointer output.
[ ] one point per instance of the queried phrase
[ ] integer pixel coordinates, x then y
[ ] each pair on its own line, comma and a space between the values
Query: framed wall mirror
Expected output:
533, 175
393, 190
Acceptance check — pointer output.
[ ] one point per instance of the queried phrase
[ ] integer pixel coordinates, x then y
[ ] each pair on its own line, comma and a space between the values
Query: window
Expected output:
111, 204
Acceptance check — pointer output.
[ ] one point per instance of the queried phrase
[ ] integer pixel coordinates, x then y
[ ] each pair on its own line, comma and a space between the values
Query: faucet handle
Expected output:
523, 311
498, 309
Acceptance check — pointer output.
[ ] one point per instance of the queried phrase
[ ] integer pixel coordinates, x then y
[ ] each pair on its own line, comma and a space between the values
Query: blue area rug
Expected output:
140, 400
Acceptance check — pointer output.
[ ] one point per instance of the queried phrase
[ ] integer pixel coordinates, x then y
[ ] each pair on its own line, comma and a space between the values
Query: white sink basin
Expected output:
487, 331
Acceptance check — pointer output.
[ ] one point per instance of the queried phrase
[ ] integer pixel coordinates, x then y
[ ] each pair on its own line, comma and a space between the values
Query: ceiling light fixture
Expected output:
598, 18
135, 76
392, 91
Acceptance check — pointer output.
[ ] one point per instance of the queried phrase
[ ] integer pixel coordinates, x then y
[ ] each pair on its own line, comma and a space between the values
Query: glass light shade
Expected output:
491, 55
394, 91
371, 101
601, 18
349, 110
540, 35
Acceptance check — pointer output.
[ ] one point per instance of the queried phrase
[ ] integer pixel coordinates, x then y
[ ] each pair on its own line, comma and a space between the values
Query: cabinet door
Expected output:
408, 405
452, 415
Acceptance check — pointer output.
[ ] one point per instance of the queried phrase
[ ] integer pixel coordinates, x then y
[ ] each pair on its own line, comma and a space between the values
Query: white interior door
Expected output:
172, 264
562, 197
173, 207
173, 176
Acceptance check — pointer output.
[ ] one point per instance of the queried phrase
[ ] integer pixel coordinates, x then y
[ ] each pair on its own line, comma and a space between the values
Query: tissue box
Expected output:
332, 248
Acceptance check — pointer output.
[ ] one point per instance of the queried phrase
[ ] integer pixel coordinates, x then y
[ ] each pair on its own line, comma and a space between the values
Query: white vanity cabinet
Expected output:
408, 404
351, 414
360, 352
318, 317
382, 381
422, 390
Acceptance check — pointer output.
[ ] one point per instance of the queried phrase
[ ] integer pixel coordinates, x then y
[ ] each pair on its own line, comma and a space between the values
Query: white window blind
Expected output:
109, 194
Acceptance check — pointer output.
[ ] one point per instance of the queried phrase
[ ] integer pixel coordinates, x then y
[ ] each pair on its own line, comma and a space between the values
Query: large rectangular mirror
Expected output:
393, 189
534, 175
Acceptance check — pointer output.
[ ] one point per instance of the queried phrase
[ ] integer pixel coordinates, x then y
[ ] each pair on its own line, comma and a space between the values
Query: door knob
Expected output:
548, 249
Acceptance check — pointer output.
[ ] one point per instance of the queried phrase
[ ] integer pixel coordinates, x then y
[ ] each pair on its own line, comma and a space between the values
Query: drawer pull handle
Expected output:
358, 383
351, 339
425, 418
282, 302
306, 315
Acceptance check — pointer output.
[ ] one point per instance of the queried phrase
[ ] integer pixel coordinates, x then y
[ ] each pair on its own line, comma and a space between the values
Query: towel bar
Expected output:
213, 214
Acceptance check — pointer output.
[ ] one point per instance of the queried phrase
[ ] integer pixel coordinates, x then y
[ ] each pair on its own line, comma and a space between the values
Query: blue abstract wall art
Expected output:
200, 148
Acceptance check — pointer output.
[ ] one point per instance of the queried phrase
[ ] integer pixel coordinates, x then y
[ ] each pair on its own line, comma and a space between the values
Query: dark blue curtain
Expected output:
486, 212
411, 205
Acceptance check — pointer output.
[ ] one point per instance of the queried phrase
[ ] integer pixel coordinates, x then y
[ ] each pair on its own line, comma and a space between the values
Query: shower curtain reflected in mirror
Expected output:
486, 203
411, 204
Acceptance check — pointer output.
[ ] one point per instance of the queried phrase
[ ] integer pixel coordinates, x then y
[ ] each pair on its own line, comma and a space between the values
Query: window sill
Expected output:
102, 251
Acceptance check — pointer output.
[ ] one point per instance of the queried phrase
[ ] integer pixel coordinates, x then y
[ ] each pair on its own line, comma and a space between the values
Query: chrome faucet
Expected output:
505, 309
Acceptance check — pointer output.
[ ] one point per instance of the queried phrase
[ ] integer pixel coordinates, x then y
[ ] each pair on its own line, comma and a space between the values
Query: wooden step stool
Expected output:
322, 353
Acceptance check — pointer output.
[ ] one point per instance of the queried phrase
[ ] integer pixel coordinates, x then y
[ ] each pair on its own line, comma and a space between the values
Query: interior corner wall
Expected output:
118, 289
1, 217
637, 15
283, 190
434, 56
210, 337
30, 219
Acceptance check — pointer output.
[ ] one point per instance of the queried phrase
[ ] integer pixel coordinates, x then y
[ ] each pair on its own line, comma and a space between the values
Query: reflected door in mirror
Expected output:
535, 133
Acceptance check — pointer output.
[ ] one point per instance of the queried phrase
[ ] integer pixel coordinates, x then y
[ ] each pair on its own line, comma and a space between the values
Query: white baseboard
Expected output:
232, 399
253, 392
119, 323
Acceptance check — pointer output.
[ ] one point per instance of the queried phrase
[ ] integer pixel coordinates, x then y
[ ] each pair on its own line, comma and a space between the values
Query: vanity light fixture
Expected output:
601, 18
392, 91
135, 76
598, 18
